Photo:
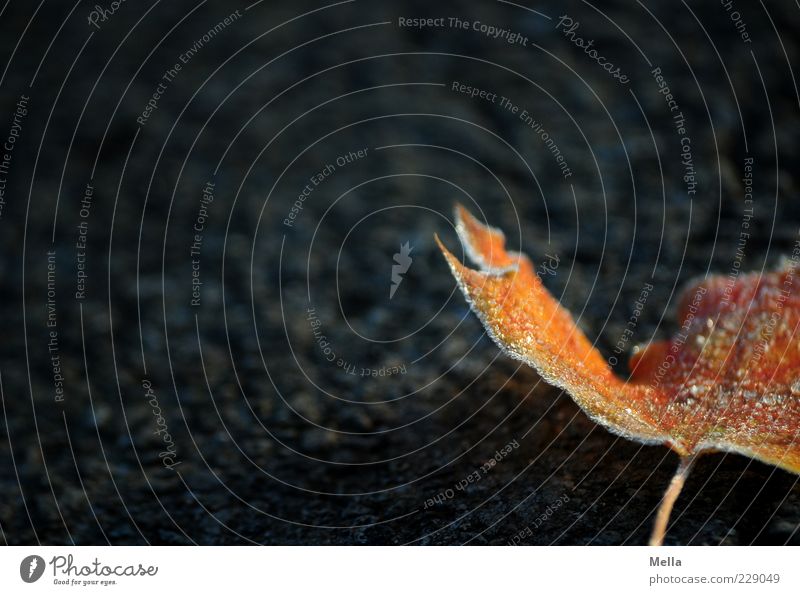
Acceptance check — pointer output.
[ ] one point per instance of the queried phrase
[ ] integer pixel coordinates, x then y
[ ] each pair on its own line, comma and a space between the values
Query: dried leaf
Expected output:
727, 381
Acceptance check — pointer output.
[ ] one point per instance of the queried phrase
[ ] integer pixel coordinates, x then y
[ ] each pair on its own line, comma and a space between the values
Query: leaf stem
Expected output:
669, 498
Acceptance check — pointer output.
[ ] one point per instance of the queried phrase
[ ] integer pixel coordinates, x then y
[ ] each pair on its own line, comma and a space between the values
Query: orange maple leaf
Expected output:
728, 381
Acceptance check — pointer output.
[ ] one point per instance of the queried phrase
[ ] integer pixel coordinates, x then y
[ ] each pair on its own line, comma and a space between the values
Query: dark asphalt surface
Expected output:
234, 371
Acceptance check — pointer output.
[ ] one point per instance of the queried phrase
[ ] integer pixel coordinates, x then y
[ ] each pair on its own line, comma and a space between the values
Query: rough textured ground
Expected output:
278, 445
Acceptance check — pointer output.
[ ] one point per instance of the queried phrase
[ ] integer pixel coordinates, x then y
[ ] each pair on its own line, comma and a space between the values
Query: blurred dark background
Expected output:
200, 401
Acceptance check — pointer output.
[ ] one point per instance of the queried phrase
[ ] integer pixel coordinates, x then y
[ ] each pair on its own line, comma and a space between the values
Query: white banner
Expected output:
398, 570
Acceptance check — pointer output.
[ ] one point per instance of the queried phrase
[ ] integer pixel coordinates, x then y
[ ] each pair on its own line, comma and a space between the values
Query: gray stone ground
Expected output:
276, 444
